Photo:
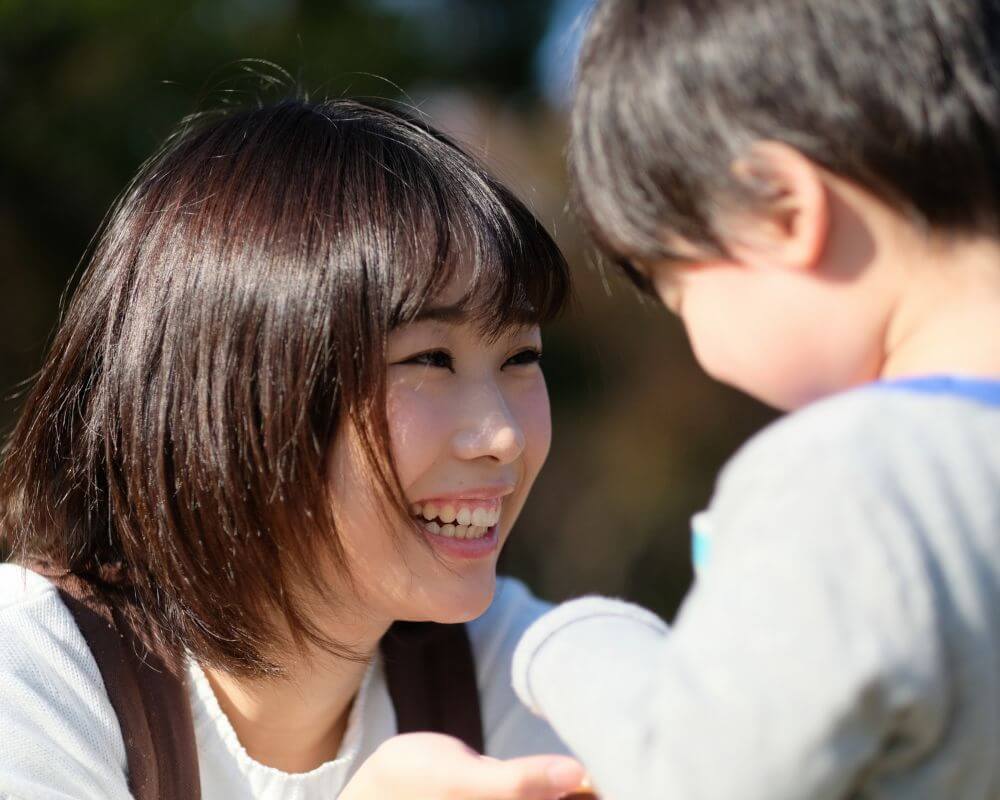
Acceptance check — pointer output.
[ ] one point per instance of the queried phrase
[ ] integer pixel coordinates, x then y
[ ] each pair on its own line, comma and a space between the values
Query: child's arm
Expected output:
807, 648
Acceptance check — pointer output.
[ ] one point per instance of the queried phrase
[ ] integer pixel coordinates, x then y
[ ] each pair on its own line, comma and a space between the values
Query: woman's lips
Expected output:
462, 525
471, 494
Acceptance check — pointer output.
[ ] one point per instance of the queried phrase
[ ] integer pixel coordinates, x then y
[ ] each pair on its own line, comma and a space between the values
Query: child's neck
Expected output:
947, 320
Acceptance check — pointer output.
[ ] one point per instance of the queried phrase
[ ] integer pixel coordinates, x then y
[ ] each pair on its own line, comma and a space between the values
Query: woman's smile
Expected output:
464, 525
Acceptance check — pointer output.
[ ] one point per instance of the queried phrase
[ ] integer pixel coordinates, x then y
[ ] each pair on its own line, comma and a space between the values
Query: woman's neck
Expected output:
295, 723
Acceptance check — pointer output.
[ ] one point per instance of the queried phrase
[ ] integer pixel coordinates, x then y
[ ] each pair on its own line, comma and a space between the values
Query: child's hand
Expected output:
430, 766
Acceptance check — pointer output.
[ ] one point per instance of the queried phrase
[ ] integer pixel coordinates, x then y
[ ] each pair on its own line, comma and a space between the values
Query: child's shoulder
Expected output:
880, 423
893, 477
928, 445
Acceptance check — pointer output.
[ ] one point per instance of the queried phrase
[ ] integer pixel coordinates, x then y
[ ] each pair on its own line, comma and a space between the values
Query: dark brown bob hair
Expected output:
232, 315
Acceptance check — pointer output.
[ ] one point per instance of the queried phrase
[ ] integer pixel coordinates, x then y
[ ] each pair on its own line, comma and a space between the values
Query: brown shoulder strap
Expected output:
150, 700
431, 675
430, 672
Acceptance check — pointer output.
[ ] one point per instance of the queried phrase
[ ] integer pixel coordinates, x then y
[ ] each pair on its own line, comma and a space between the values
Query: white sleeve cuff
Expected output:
567, 628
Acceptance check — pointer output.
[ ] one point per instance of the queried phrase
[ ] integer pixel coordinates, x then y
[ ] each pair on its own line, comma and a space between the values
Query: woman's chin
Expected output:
465, 601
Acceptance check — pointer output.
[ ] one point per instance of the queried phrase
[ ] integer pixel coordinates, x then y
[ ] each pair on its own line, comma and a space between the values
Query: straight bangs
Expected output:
451, 222
232, 321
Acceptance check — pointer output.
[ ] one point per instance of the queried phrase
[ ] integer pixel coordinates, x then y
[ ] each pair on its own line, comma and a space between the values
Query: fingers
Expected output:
530, 778
429, 765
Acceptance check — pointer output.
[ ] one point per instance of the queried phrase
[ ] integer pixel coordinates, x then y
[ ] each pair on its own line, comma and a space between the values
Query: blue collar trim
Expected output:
981, 390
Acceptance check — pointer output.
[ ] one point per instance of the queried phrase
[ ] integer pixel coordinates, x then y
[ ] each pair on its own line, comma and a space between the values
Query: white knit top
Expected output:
60, 740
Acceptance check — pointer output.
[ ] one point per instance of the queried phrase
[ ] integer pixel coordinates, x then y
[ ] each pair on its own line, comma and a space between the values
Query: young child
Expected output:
814, 188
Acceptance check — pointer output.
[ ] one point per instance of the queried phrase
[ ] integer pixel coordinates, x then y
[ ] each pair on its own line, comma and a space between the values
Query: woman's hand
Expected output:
431, 766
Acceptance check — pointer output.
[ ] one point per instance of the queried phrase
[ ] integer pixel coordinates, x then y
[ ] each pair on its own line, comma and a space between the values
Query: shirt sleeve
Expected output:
510, 729
807, 650
60, 737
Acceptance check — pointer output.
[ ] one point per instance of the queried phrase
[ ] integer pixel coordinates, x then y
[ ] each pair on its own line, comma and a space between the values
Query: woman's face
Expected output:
470, 428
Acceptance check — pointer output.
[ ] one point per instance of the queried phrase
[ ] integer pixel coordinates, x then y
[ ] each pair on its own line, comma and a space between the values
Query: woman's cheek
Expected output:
535, 417
417, 428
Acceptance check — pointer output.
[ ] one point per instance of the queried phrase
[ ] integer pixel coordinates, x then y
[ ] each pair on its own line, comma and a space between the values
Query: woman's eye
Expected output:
433, 358
527, 356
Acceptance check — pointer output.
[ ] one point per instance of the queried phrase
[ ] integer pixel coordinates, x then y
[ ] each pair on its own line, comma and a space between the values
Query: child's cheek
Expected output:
755, 332
720, 336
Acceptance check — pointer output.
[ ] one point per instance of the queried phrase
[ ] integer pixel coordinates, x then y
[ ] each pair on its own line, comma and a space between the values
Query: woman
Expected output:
295, 397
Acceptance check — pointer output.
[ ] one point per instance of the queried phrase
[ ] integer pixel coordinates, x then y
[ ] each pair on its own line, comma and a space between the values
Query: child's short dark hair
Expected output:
232, 318
899, 96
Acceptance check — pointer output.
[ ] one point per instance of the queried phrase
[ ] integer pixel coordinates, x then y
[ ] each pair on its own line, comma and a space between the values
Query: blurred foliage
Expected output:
88, 88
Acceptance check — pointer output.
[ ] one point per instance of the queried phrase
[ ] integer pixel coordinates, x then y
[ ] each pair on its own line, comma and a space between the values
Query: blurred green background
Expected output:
88, 88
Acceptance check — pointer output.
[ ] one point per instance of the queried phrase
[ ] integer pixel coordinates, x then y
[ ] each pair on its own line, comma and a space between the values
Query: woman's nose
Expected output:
491, 431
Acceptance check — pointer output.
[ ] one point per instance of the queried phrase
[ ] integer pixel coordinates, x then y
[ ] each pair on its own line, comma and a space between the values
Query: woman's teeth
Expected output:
456, 531
457, 521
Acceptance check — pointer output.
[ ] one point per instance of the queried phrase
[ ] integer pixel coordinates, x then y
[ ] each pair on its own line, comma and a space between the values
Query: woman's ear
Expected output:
787, 226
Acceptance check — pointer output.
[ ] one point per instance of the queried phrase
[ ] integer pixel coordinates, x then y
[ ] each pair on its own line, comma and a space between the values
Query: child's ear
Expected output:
790, 220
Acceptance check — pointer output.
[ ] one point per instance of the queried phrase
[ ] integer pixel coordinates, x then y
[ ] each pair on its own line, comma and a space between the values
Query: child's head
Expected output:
298, 320
784, 148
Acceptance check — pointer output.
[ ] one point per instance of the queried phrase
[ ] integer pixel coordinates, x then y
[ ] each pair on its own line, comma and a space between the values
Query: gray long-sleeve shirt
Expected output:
843, 638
